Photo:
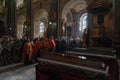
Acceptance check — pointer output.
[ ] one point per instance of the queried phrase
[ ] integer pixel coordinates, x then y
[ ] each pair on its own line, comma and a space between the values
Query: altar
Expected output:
54, 66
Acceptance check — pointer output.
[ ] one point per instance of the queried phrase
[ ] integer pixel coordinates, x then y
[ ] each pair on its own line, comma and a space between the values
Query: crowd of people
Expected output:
14, 50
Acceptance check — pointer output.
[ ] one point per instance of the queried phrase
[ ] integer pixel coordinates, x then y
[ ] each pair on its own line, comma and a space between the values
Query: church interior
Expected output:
59, 39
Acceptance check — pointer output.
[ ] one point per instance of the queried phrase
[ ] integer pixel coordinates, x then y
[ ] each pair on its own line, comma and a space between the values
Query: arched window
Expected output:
83, 22
41, 29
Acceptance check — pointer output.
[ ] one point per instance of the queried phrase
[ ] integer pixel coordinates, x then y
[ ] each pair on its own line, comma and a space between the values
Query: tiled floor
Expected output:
27, 73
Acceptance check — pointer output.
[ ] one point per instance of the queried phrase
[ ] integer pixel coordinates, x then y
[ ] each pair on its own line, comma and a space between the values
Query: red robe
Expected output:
52, 44
27, 49
46, 45
36, 48
41, 47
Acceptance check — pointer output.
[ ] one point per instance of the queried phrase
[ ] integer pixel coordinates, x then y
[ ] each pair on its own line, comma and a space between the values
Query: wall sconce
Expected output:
50, 22
10, 28
63, 28
25, 26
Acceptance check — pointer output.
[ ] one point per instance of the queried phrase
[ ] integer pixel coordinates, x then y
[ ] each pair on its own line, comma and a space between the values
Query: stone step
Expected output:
11, 67
15, 68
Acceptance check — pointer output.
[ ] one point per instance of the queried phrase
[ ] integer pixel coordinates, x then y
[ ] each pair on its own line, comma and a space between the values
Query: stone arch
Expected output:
77, 21
20, 24
73, 7
41, 15
76, 4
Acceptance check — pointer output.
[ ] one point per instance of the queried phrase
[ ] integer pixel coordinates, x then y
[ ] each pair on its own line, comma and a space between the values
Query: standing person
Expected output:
46, 45
27, 52
63, 45
1, 48
85, 38
36, 51
41, 47
1, 55
57, 41
10, 47
6, 50
16, 50
22, 42
52, 44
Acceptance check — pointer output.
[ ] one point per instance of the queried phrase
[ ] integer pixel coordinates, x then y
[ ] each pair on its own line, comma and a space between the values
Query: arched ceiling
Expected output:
75, 5
40, 15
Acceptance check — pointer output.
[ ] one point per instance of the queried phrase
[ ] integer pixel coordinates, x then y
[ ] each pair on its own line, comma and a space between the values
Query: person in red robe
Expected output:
27, 52
46, 45
41, 46
52, 44
36, 51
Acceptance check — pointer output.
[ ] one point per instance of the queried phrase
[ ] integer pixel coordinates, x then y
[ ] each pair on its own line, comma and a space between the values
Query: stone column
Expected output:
53, 27
29, 17
59, 31
90, 24
11, 18
116, 35
117, 15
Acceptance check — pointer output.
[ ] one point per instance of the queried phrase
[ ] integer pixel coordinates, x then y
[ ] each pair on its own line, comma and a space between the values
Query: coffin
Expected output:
102, 56
66, 67
99, 53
